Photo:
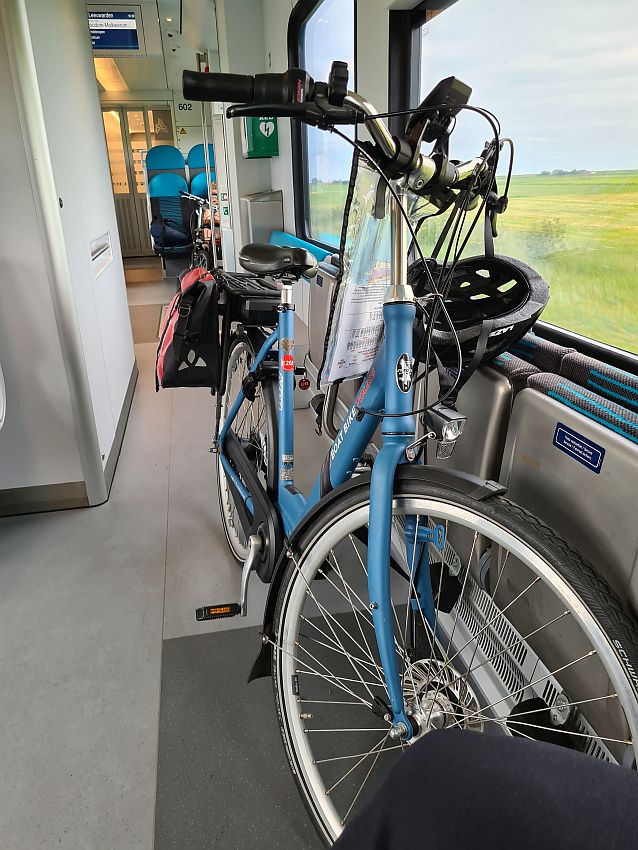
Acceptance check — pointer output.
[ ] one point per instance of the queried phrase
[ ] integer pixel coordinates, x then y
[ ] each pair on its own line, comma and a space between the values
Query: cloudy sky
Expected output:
561, 75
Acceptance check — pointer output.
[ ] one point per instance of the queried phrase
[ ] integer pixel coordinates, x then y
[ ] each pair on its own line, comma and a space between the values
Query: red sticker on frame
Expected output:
288, 363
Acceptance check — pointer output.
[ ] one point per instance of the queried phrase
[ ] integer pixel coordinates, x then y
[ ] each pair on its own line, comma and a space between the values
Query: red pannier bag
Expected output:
188, 352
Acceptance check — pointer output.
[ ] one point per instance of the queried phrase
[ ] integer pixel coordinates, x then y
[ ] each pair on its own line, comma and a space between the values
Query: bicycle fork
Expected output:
398, 432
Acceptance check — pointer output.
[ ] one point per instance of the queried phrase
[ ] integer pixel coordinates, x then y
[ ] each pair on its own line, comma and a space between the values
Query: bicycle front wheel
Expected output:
525, 640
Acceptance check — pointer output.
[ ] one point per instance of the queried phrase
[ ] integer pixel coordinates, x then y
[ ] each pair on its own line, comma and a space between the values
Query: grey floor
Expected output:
88, 598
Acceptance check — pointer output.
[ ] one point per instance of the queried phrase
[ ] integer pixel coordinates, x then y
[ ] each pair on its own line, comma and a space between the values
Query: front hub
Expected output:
438, 697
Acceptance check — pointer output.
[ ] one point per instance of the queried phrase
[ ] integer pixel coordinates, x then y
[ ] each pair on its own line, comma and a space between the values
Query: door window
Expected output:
138, 141
116, 152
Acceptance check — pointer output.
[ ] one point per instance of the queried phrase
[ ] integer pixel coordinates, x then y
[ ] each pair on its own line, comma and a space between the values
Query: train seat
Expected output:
196, 162
170, 215
487, 401
546, 355
164, 159
571, 458
198, 185
607, 381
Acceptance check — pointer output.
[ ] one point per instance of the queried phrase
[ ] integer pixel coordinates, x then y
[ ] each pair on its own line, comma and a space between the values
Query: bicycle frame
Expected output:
387, 386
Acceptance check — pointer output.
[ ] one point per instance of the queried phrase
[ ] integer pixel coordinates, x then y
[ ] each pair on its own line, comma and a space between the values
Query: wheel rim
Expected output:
250, 426
361, 747
200, 259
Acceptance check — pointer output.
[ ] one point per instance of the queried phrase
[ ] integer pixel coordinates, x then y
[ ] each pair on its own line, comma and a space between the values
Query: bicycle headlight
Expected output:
448, 425
452, 430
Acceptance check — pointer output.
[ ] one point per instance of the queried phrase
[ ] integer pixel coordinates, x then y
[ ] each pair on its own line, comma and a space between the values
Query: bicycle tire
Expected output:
616, 629
265, 395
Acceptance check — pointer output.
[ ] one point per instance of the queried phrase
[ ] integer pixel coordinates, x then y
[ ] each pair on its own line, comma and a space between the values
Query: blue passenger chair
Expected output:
170, 215
164, 159
196, 163
198, 185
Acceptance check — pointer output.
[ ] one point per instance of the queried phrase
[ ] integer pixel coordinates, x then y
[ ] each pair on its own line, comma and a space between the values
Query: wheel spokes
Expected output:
342, 683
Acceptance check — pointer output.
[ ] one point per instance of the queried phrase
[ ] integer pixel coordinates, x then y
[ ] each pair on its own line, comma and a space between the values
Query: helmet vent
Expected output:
504, 287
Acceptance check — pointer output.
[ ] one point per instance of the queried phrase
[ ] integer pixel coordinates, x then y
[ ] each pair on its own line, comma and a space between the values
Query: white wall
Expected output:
240, 31
64, 65
37, 442
276, 15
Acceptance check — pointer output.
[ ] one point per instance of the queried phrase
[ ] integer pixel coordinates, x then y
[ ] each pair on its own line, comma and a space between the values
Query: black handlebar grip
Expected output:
231, 88
293, 86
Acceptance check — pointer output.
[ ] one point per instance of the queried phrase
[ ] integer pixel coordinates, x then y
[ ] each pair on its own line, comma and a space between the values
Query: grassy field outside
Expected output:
580, 231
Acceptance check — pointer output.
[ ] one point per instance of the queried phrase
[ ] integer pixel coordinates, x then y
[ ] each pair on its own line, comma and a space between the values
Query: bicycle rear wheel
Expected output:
256, 427
525, 640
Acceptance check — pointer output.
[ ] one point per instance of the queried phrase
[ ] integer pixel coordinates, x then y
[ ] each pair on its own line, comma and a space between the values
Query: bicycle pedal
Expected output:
217, 612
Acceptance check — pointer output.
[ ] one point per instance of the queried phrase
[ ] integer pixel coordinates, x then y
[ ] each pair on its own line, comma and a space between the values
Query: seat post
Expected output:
291, 501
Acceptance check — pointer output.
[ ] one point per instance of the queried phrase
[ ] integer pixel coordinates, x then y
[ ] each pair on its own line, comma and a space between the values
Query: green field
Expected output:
580, 231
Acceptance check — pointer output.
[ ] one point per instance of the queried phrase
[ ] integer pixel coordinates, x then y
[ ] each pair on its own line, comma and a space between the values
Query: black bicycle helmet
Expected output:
491, 301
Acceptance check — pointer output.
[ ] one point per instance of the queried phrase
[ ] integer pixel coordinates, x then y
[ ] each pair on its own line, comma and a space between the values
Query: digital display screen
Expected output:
114, 31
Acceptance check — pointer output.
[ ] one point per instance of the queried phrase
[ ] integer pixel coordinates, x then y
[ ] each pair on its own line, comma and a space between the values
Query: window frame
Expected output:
404, 58
301, 13
403, 92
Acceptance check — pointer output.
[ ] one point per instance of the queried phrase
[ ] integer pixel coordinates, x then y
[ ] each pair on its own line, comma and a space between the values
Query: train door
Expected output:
130, 132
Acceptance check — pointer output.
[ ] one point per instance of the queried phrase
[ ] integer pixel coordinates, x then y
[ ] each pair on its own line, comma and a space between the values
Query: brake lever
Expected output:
266, 110
308, 112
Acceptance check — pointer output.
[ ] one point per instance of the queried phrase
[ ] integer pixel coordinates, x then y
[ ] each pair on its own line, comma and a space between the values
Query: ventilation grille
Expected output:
498, 640
515, 663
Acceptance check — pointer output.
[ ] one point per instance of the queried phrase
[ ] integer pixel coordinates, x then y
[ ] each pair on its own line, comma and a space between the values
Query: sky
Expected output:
561, 75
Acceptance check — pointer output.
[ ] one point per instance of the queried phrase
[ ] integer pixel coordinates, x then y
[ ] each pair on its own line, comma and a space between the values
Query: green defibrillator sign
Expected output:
260, 138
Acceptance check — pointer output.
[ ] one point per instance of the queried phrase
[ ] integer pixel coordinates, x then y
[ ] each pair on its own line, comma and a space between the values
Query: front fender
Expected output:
448, 479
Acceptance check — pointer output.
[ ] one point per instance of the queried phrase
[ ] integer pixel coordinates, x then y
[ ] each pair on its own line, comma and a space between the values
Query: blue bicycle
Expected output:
405, 597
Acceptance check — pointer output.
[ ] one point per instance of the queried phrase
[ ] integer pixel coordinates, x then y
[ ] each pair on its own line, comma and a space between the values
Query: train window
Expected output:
561, 77
325, 33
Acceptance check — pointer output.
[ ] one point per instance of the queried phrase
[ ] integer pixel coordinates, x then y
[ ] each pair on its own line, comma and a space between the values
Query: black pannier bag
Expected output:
188, 354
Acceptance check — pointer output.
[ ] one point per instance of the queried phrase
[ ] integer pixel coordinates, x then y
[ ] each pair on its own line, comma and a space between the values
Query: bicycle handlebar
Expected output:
294, 94
189, 195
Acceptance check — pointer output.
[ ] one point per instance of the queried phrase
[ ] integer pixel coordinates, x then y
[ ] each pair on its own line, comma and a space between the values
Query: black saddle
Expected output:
260, 258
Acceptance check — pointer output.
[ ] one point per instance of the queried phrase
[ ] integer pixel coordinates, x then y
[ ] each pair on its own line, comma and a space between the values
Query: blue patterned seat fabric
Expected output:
614, 384
516, 370
547, 355
590, 404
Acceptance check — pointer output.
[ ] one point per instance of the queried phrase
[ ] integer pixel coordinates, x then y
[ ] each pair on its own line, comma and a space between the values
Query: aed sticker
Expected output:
580, 448
304, 384
404, 373
288, 363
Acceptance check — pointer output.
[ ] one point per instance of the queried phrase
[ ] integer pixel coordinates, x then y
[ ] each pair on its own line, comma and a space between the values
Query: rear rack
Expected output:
251, 300
245, 284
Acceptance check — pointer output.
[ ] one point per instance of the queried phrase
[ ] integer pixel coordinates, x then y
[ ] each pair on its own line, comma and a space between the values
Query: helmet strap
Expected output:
448, 382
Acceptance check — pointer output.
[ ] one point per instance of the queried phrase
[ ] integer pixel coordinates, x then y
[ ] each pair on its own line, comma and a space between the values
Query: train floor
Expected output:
125, 723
